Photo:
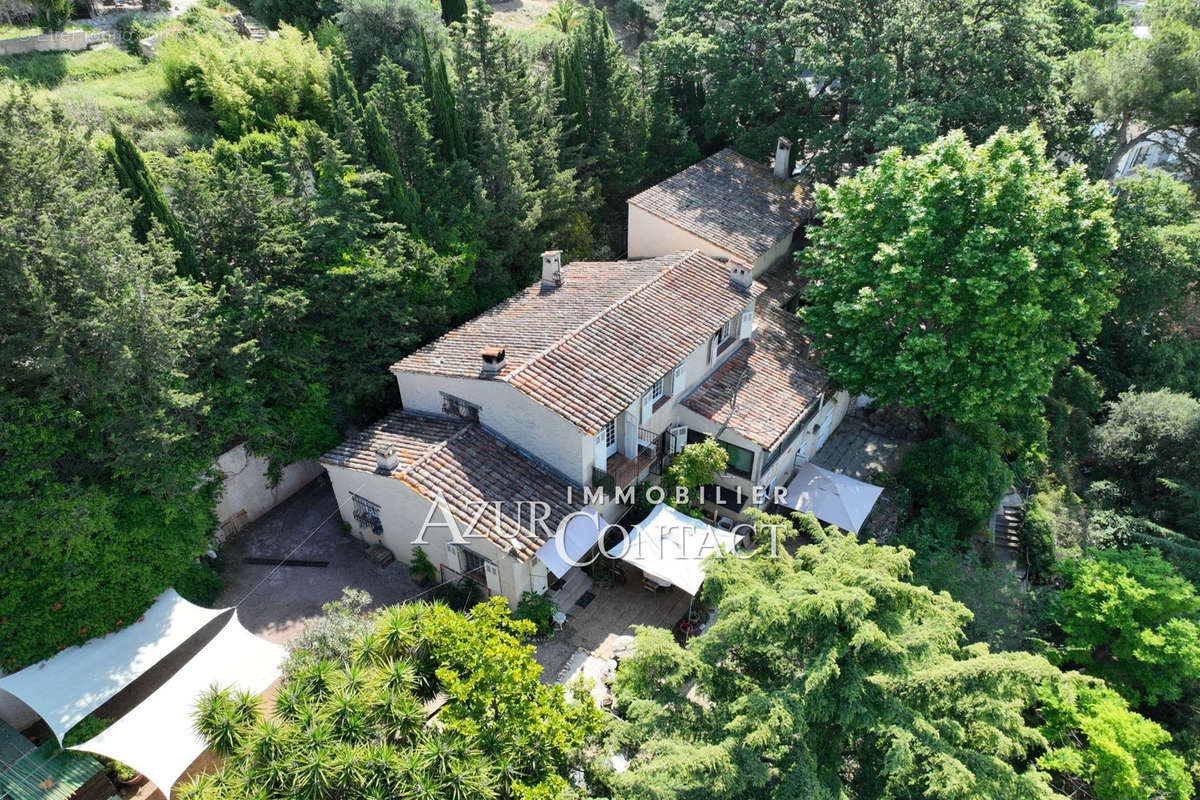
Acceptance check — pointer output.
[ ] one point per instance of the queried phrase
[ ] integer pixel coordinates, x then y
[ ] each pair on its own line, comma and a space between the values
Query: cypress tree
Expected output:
347, 109
454, 11
402, 198
139, 184
444, 122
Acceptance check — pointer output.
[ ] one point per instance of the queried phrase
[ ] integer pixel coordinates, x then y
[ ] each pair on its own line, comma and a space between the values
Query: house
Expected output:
583, 385
726, 206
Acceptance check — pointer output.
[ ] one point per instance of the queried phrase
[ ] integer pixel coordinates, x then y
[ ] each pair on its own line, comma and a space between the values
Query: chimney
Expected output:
739, 275
552, 269
493, 360
386, 459
783, 157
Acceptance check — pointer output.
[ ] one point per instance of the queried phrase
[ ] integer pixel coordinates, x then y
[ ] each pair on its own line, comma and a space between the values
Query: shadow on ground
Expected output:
275, 601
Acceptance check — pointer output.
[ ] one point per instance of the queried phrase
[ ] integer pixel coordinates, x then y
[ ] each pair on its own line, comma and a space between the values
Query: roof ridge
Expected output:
686, 254
437, 448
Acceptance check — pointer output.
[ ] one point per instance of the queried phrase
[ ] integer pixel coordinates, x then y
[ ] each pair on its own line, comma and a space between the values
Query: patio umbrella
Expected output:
832, 497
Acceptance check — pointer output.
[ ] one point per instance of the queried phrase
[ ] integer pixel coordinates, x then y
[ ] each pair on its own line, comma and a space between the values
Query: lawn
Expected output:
18, 31
107, 84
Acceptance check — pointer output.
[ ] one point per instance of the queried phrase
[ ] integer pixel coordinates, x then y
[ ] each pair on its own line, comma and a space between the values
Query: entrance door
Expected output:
826, 426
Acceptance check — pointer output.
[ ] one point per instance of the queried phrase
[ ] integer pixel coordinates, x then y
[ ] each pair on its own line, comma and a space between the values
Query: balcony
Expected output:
621, 471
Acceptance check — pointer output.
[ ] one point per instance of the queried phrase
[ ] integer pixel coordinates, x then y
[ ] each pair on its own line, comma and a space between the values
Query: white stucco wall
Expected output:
509, 412
650, 235
403, 512
244, 485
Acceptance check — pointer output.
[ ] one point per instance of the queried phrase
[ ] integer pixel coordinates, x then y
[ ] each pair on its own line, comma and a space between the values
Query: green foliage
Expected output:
200, 583
304, 14
922, 287
99, 449
828, 674
52, 15
334, 636
1098, 744
249, 84
359, 724
538, 609
389, 30
1037, 536
54, 69
695, 466
424, 570
564, 15
1128, 617
152, 208
87, 728
964, 503
453, 11
461, 595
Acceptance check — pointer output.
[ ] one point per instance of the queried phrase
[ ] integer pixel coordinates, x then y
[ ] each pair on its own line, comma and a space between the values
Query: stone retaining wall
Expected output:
66, 42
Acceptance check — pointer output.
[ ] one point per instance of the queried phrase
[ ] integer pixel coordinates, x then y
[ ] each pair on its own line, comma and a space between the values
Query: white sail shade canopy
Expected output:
832, 497
670, 547
157, 736
580, 533
67, 687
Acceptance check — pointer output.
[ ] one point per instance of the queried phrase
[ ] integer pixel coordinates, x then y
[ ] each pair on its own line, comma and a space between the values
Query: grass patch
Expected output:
49, 70
140, 102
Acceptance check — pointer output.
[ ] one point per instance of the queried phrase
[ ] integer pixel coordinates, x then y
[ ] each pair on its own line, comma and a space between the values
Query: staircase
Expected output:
576, 583
1006, 536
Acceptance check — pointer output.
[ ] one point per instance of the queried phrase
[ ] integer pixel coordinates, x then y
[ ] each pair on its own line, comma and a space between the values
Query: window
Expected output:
610, 433
472, 564
658, 389
725, 334
741, 460
367, 514
799, 430
457, 407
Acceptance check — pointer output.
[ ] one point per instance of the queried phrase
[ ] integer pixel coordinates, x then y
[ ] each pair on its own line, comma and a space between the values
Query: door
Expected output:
676, 439
609, 432
491, 574
826, 426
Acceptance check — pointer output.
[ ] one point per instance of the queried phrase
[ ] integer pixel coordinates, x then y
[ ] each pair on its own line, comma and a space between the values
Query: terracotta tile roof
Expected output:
590, 348
730, 201
468, 465
778, 380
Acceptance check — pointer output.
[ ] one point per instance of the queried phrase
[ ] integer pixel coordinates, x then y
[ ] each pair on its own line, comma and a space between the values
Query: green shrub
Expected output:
539, 610
87, 728
200, 583
248, 84
1037, 535
461, 595
955, 481
424, 570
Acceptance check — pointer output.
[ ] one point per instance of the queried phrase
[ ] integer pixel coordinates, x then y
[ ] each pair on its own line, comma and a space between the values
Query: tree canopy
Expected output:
961, 279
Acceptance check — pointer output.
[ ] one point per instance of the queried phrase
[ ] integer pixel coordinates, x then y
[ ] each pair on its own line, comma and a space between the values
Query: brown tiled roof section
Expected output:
412, 436
779, 381
588, 349
529, 323
730, 201
467, 465
595, 373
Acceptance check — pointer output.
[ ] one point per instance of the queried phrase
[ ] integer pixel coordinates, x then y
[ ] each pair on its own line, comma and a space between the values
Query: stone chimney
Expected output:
783, 157
552, 269
739, 275
386, 459
493, 360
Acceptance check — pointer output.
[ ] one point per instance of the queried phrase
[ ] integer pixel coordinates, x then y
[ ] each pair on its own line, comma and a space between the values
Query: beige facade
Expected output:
650, 235
403, 514
247, 494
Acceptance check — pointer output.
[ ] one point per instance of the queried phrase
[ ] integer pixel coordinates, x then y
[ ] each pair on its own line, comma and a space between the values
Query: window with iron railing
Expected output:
367, 514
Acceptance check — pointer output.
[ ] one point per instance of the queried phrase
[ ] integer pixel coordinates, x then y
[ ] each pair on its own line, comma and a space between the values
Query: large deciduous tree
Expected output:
959, 280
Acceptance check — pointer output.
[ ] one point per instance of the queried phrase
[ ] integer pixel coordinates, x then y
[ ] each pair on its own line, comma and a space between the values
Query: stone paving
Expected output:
865, 444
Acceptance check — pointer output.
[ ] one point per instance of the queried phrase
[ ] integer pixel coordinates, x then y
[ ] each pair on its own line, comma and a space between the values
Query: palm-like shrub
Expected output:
360, 725
563, 15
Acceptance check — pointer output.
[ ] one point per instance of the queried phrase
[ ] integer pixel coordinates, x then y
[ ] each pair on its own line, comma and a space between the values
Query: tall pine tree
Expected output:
138, 182
454, 11
444, 120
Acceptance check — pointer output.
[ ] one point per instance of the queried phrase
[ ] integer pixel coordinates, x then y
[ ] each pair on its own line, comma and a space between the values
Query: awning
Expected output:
74, 683
157, 737
579, 534
671, 547
832, 497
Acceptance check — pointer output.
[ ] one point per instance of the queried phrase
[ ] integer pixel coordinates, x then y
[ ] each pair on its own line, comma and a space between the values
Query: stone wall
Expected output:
66, 42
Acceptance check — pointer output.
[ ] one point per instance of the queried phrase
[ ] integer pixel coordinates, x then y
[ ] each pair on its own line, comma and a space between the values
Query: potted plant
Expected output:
423, 570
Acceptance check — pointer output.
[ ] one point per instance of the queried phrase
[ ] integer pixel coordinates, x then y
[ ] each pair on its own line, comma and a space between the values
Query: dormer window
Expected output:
658, 389
726, 333
457, 407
